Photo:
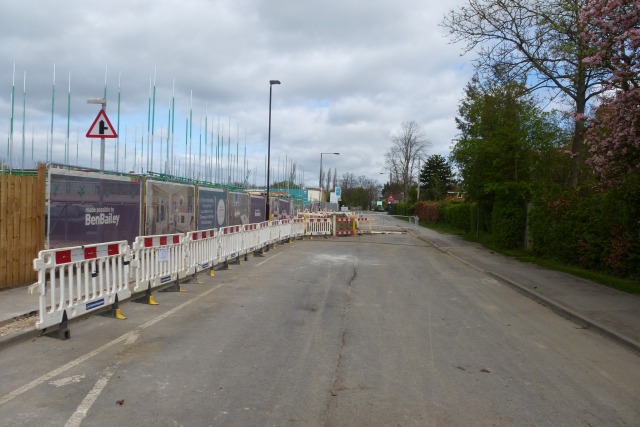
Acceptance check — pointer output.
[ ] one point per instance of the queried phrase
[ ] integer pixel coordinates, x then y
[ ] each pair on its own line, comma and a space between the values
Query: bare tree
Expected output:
328, 182
538, 40
320, 182
402, 158
358, 191
293, 173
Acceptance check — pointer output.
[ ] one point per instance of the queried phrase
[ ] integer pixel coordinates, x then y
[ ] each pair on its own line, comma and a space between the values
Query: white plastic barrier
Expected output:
297, 228
77, 280
202, 250
158, 260
284, 230
274, 232
230, 243
319, 226
264, 234
363, 224
251, 238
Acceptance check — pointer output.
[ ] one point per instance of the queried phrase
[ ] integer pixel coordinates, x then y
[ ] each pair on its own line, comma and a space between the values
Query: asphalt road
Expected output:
370, 331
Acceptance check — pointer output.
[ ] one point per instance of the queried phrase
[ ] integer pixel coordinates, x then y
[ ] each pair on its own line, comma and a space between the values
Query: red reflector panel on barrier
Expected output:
148, 242
63, 257
163, 240
176, 240
90, 253
113, 250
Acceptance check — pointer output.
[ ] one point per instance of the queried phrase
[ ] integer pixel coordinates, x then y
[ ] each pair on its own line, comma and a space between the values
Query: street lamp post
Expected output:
103, 102
271, 83
320, 178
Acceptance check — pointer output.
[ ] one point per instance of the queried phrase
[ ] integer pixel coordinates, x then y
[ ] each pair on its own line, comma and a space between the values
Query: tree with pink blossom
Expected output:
614, 132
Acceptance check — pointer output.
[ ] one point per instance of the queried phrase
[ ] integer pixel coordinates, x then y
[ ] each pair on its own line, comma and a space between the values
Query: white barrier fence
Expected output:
319, 226
297, 228
202, 249
158, 260
230, 243
251, 238
77, 280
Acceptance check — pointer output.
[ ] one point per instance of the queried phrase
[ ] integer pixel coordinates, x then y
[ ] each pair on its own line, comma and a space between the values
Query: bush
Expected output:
597, 231
403, 208
508, 221
429, 211
461, 215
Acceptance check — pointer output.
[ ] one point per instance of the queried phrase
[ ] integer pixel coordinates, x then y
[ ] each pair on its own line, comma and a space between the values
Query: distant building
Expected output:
456, 195
314, 194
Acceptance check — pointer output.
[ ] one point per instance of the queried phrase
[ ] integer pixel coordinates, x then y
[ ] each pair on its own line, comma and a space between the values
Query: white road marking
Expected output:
76, 419
128, 337
268, 259
69, 380
92, 396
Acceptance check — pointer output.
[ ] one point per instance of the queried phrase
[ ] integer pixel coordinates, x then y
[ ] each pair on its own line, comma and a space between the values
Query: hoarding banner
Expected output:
212, 208
170, 208
257, 209
284, 208
238, 204
88, 207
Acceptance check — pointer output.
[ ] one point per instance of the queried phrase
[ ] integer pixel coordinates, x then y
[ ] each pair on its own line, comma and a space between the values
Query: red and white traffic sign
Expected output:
390, 199
102, 127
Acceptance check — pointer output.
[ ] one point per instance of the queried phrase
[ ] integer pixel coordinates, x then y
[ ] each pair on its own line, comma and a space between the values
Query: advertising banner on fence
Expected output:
89, 207
257, 209
212, 208
170, 208
274, 207
238, 208
284, 208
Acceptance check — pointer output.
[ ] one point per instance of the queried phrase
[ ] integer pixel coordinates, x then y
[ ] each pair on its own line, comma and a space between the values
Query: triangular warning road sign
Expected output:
101, 127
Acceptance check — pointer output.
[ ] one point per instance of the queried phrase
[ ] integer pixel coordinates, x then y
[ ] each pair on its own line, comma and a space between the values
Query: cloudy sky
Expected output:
351, 73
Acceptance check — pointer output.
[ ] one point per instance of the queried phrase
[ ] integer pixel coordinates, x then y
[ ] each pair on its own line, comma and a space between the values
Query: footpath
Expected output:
607, 311
604, 310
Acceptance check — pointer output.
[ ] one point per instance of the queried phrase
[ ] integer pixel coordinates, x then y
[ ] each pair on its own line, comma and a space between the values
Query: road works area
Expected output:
389, 329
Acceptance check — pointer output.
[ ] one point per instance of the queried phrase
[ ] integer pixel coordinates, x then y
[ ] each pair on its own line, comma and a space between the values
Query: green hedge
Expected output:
597, 231
461, 215
508, 221
403, 208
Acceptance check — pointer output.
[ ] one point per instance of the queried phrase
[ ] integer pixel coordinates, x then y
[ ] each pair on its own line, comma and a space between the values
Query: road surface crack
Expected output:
338, 379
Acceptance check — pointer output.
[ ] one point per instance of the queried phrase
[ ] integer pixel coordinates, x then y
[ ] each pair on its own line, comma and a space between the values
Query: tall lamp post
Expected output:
320, 179
271, 83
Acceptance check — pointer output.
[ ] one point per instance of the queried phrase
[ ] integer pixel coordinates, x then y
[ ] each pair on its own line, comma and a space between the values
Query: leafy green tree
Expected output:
504, 138
541, 41
435, 178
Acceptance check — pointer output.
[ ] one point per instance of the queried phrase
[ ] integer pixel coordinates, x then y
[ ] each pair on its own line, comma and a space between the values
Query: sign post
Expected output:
101, 127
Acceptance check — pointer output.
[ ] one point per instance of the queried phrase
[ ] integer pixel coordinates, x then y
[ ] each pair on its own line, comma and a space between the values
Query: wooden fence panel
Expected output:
22, 205
4, 237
